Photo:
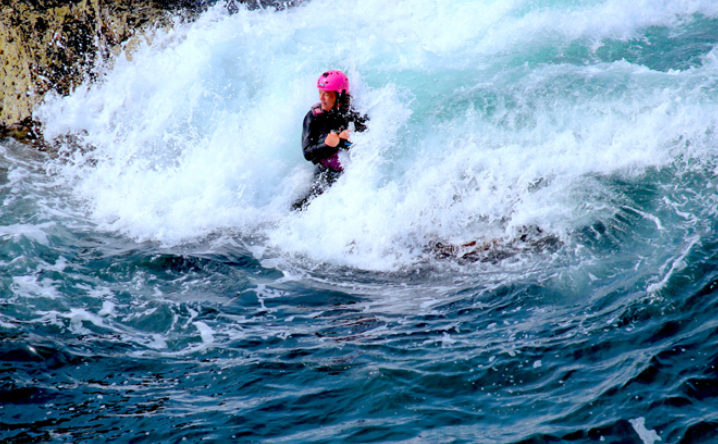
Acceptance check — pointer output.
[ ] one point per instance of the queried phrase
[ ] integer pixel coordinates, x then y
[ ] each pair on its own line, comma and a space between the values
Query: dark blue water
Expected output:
155, 286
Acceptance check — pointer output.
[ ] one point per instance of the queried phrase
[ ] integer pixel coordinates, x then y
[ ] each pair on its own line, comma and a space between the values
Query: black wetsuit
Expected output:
317, 125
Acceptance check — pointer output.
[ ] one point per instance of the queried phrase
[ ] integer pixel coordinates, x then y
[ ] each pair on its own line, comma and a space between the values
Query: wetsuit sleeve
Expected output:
314, 149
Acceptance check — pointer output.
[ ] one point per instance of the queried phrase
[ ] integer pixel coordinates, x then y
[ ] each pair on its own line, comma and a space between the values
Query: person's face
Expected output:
327, 99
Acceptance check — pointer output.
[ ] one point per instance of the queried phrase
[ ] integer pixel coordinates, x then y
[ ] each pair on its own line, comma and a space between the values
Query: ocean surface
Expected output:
523, 247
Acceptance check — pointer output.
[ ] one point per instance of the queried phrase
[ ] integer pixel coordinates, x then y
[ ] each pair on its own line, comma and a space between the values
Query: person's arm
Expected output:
314, 149
342, 138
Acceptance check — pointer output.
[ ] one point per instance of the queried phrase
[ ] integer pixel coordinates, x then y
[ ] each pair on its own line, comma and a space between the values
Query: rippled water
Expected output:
522, 248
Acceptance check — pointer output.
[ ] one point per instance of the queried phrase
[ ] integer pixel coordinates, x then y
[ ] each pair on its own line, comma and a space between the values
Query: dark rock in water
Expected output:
264, 4
528, 239
25, 131
52, 45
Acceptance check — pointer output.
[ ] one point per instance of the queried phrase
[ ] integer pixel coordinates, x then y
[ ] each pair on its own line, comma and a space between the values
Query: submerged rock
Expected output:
52, 45
529, 238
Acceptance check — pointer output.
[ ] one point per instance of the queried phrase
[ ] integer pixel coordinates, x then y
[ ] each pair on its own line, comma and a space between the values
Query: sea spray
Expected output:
508, 121
522, 248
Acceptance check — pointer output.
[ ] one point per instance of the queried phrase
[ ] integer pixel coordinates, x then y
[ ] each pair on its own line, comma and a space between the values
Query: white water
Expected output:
484, 119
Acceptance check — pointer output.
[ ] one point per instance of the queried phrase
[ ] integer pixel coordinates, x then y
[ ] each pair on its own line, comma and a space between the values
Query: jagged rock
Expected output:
50, 44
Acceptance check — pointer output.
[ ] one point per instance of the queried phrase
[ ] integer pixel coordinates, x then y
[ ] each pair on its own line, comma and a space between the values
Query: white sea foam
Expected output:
18, 231
108, 309
647, 436
205, 332
7, 325
34, 286
199, 132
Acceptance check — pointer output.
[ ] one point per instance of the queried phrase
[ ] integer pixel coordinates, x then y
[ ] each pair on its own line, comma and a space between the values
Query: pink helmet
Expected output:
335, 81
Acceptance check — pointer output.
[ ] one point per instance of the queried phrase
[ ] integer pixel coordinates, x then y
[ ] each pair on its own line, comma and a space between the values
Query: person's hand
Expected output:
344, 135
332, 140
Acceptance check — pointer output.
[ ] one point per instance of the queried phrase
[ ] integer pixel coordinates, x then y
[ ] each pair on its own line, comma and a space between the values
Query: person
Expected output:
326, 130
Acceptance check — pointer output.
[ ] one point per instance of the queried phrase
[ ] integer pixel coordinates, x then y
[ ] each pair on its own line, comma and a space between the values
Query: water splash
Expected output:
511, 120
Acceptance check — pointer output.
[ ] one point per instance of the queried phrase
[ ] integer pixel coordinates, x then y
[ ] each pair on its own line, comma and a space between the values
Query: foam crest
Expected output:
199, 131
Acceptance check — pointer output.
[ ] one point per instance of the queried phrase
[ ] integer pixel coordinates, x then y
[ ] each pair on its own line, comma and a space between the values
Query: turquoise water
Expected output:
157, 288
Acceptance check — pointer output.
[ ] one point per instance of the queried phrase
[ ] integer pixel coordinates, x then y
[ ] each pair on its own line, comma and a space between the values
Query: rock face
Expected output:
52, 44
